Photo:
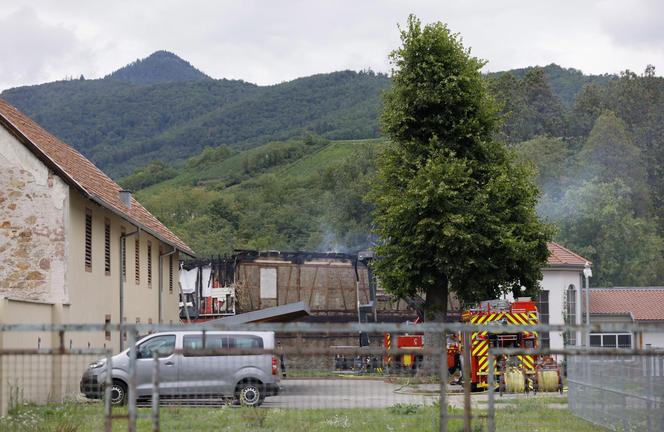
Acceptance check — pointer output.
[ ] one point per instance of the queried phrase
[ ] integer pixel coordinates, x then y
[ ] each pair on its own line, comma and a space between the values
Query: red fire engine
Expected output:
514, 374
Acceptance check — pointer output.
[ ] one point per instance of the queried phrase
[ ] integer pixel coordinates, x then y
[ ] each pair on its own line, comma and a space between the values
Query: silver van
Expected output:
193, 364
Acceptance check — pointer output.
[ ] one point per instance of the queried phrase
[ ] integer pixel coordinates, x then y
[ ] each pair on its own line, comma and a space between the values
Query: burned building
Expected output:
336, 287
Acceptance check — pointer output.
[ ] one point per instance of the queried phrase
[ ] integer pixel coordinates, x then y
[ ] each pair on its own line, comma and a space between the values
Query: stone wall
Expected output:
32, 226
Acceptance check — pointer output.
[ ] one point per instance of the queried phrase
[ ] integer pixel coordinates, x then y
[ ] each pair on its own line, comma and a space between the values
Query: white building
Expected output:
560, 296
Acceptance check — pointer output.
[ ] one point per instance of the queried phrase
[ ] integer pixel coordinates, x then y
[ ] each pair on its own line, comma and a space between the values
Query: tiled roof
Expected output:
644, 303
561, 256
82, 174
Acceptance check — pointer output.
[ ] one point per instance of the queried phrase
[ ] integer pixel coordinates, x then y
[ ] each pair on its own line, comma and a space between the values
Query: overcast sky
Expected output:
271, 41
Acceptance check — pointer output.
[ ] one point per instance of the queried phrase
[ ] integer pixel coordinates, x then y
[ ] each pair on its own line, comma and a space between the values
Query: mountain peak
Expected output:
158, 67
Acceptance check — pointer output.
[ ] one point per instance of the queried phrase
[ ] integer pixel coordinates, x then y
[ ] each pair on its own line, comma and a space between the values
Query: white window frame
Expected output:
602, 335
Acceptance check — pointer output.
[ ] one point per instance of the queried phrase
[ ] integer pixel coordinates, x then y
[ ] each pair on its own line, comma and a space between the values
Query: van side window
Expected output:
193, 346
245, 341
163, 345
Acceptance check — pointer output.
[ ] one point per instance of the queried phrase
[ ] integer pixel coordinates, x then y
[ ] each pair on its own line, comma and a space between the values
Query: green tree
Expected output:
609, 153
527, 106
650, 139
153, 173
452, 210
543, 111
506, 88
551, 159
596, 220
587, 107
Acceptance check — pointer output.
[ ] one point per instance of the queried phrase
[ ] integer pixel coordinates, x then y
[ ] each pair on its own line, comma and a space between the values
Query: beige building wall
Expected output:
44, 279
97, 292
38, 378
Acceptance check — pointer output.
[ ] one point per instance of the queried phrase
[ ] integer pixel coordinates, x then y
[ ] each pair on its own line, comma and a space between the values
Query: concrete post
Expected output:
56, 390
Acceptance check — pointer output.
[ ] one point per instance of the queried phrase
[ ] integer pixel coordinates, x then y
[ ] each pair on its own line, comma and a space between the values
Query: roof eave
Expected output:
139, 225
578, 267
43, 157
51, 164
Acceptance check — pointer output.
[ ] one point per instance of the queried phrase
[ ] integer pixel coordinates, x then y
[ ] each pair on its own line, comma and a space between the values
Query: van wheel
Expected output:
250, 393
118, 393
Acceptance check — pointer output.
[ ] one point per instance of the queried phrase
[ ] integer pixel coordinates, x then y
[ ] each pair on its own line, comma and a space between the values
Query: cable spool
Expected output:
514, 381
547, 380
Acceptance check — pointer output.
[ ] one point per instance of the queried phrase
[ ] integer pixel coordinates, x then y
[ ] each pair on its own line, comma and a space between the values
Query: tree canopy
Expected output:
452, 209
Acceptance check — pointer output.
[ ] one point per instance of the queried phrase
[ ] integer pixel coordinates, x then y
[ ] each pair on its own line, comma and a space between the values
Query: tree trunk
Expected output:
435, 311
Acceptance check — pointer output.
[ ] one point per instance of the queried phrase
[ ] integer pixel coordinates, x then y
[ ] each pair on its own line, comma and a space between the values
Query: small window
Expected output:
107, 246
611, 340
268, 283
196, 346
88, 240
245, 342
624, 341
107, 321
137, 261
163, 345
170, 274
149, 264
570, 318
543, 309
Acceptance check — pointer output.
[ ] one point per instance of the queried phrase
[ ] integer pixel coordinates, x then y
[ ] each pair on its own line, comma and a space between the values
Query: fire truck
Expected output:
412, 343
410, 360
514, 374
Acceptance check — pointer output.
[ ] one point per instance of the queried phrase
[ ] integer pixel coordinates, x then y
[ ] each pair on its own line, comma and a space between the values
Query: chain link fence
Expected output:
284, 377
622, 393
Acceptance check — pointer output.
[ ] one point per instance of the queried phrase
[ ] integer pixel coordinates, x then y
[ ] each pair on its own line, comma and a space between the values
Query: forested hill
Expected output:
121, 125
229, 164
599, 165
159, 67
163, 108
565, 83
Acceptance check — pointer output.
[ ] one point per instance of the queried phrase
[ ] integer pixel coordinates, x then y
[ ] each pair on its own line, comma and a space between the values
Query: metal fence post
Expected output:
155, 393
467, 415
491, 409
443, 388
132, 380
108, 410
660, 399
650, 394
